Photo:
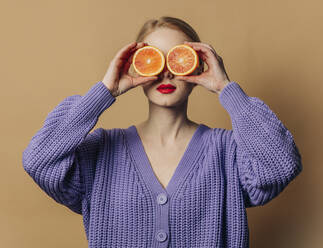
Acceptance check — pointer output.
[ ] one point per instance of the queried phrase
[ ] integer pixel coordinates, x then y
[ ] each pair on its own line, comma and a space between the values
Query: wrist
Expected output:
112, 92
222, 86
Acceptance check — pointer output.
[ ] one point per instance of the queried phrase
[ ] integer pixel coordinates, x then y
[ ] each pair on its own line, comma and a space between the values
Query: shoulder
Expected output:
100, 139
222, 142
220, 136
115, 139
91, 141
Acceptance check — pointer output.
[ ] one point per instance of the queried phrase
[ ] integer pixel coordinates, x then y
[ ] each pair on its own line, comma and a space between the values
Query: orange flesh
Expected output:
181, 60
148, 61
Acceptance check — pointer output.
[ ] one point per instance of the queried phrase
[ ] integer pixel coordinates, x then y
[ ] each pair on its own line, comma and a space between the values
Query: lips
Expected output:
166, 86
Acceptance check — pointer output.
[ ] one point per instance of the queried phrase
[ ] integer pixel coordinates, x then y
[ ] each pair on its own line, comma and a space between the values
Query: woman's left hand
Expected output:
215, 77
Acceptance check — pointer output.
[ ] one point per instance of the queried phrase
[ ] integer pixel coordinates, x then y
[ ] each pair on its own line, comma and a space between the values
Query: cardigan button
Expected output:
162, 198
161, 235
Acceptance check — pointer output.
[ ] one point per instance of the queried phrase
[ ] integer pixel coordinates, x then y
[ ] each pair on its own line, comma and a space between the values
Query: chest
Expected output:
164, 161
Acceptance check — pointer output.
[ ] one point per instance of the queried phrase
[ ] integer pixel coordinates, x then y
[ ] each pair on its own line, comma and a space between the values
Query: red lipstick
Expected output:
166, 88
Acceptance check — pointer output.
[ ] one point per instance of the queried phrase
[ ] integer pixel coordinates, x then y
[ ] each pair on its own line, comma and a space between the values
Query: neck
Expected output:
167, 124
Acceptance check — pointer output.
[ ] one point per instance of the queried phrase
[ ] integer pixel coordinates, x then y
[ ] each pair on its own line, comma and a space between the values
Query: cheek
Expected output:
185, 88
185, 85
148, 90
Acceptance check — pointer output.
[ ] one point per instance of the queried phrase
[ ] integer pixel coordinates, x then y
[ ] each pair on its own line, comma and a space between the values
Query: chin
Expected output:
166, 100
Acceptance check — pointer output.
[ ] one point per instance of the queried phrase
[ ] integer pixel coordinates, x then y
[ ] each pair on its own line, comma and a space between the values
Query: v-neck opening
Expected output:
142, 161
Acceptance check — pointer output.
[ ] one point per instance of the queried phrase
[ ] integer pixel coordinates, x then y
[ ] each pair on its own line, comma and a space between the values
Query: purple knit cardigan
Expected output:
105, 175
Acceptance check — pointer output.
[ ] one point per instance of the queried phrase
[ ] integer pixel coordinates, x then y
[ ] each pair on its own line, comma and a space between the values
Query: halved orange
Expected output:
148, 61
182, 59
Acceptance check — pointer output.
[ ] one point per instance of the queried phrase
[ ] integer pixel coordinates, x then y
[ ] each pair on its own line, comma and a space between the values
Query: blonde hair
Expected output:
170, 22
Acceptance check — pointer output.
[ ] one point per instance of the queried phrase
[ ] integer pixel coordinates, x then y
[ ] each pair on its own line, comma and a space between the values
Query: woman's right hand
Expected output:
117, 79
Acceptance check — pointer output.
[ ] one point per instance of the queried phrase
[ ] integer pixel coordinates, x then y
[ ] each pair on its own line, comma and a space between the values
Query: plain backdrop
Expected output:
53, 49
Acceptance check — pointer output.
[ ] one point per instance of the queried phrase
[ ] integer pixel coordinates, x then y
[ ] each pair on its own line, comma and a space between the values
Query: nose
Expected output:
166, 73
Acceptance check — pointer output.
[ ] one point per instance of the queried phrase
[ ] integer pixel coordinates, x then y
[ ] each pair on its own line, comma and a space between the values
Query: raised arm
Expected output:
265, 153
56, 153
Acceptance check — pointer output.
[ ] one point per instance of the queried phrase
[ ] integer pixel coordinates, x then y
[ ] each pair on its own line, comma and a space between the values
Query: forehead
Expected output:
165, 38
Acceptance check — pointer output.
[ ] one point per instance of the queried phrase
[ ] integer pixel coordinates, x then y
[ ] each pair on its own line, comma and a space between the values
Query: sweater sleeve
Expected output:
52, 157
266, 155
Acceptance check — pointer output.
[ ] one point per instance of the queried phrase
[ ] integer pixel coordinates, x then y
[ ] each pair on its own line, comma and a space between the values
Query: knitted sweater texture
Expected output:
105, 174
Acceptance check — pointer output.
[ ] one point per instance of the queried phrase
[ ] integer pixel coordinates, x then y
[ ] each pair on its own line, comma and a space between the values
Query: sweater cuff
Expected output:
97, 99
233, 98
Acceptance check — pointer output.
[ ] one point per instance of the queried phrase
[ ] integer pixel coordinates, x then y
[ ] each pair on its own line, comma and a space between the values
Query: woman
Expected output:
168, 181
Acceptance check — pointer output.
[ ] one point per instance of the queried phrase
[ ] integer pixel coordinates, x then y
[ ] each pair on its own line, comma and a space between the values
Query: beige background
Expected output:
53, 49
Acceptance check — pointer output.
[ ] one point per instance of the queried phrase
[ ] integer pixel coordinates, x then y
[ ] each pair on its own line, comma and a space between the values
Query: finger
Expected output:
207, 46
142, 80
130, 51
199, 47
210, 48
125, 49
219, 58
203, 59
201, 44
128, 64
131, 54
190, 79
122, 61
206, 53
124, 55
